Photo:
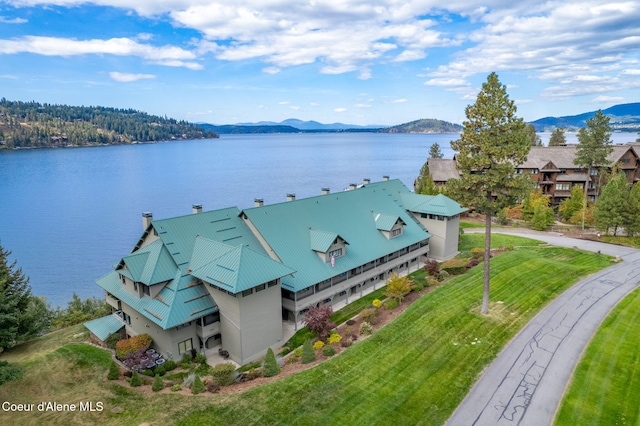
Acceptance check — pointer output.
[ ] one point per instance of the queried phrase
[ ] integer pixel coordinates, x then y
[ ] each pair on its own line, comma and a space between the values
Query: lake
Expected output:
67, 215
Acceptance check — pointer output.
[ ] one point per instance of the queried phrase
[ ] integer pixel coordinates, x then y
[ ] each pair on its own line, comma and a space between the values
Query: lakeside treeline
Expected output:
36, 125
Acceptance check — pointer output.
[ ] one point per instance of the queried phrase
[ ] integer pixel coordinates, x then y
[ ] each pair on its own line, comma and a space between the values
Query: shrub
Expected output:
308, 354
328, 351
112, 340
432, 267
298, 352
398, 287
160, 370
432, 281
198, 386
186, 358
114, 371
188, 381
455, 266
419, 285
477, 253
346, 342
351, 322
391, 304
170, 365
370, 315
223, 374
175, 388
147, 373
158, 384
201, 359
318, 345
9, 372
213, 387
318, 320
134, 344
443, 275
270, 367
376, 303
366, 329
334, 338
472, 262
135, 379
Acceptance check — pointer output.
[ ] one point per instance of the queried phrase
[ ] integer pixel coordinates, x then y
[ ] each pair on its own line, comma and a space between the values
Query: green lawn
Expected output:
415, 370
606, 384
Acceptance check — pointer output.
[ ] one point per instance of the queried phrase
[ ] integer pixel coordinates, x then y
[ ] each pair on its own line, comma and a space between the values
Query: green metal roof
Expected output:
321, 240
103, 327
151, 264
234, 269
434, 204
349, 214
384, 222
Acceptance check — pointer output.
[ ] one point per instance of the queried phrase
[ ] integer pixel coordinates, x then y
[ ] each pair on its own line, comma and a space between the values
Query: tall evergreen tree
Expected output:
573, 204
594, 146
434, 151
534, 139
557, 137
493, 142
610, 207
424, 183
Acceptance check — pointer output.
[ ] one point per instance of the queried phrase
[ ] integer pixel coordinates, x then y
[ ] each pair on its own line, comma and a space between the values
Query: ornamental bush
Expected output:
472, 262
114, 371
198, 386
170, 365
135, 379
334, 338
391, 304
175, 388
432, 281
201, 359
158, 384
366, 329
376, 303
298, 352
223, 374
432, 267
318, 345
443, 275
213, 387
477, 253
328, 351
308, 354
132, 345
455, 266
370, 315
270, 367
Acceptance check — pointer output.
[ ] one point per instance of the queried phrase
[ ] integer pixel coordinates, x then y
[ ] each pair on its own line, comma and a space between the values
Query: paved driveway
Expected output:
524, 385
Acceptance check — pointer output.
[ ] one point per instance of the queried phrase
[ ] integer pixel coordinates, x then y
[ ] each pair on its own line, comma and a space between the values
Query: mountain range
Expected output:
623, 117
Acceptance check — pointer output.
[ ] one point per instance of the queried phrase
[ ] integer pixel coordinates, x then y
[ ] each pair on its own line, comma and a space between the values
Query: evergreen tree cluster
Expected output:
36, 125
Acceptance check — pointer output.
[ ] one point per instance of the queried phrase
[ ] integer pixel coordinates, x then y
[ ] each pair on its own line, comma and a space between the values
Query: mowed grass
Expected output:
606, 384
417, 369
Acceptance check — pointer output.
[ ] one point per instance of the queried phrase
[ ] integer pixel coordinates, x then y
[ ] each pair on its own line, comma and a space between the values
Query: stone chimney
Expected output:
352, 186
291, 197
366, 181
147, 217
258, 202
326, 191
197, 208
385, 178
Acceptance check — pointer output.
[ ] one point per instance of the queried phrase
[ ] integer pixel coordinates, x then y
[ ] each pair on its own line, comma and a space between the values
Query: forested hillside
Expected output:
35, 125
426, 125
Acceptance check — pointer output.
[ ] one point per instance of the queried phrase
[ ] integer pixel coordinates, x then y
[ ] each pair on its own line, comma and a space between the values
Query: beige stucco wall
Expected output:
444, 236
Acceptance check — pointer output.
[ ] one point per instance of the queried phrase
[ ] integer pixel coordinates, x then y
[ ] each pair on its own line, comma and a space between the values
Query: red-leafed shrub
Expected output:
318, 320
132, 345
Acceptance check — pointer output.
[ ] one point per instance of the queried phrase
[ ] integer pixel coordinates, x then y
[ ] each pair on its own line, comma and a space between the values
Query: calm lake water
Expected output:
68, 215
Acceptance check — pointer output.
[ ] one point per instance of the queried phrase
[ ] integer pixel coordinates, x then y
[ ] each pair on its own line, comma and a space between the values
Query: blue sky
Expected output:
352, 61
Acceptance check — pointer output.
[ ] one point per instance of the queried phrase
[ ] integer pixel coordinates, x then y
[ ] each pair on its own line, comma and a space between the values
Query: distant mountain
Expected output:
624, 117
310, 125
425, 125
231, 129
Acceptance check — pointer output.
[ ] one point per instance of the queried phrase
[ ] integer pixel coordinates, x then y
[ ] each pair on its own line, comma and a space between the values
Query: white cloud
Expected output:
362, 106
294, 107
399, 101
340, 110
5, 20
607, 99
271, 70
127, 78
53, 46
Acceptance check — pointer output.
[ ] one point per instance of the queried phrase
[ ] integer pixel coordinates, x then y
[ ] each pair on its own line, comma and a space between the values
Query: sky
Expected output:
364, 62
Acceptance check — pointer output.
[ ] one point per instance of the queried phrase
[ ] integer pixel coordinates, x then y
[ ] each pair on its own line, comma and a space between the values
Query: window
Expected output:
122, 278
562, 186
272, 283
185, 346
211, 318
246, 293
135, 285
534, 171
260, 287
593, 172
336, 253
185, 325
145, 290
396, 232
518, 171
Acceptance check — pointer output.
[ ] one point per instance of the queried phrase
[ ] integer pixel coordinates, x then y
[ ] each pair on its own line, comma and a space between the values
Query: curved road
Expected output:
525, 384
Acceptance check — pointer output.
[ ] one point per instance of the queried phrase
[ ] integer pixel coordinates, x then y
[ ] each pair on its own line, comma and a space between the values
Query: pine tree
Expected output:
424, 183
308, 354
573, 204
610, 207
198, 386
558, 138
595, 146
434, 151
158, 383
135, 379
493, 142
534, 139
270, 367
114, 371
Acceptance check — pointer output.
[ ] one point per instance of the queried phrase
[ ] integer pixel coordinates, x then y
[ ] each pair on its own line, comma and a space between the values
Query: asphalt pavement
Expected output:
525, 383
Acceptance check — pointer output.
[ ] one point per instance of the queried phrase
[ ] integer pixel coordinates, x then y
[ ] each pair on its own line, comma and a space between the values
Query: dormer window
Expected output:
327, 245
396, 232
390, 226
335, 253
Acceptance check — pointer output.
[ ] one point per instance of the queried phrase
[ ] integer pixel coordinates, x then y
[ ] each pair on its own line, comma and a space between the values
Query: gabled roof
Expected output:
432, 204
234, 268
562, 156
150, 265
320, 241
384, 222
442, 169
103, 327
349, 215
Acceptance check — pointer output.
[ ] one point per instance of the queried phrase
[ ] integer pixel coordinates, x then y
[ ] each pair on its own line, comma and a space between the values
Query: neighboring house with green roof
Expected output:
229, 278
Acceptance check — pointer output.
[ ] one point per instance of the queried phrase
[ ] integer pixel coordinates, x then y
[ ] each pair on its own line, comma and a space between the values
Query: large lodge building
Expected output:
235, 279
